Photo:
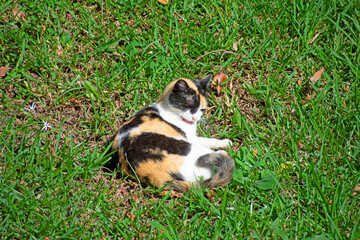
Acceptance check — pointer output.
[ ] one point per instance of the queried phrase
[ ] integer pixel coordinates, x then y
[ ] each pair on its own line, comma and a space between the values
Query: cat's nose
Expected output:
193, 118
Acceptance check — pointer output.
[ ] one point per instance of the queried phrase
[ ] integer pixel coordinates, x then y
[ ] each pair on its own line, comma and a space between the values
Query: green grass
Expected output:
90, 65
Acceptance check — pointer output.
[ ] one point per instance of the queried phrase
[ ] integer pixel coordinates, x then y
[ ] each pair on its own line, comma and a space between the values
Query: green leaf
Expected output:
239, 179
268, 180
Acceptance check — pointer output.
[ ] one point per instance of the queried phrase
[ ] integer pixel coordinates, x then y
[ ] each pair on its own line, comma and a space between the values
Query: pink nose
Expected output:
193, 118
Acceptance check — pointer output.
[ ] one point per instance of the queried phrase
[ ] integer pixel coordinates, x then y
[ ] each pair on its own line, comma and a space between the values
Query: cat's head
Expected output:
186, 98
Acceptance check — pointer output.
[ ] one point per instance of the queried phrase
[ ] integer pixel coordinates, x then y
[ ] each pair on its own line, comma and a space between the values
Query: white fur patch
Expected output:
120, 138
190, 170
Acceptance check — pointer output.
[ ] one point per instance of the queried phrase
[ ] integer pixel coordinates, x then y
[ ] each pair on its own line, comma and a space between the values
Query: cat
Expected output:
159, 144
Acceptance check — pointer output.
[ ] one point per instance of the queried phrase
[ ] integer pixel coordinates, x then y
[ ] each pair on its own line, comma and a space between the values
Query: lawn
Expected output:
73, 71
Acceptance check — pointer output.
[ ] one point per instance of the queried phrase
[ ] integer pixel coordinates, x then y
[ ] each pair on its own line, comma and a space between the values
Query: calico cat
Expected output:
160, 143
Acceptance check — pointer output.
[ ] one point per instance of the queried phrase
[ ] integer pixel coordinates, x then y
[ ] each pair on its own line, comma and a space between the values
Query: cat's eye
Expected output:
191, 99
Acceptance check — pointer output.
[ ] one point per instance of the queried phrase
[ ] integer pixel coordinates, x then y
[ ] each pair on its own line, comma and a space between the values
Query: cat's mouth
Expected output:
187, 121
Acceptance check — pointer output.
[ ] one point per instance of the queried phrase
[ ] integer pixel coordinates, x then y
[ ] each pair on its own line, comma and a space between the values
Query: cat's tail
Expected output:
225, 168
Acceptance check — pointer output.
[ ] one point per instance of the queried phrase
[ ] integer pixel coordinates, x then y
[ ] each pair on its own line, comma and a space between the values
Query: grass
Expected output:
90, 65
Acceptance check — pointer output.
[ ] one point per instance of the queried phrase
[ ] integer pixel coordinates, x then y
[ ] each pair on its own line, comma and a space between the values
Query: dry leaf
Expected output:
299, 82
173, 193
217, 80
43, 29
309, 97
165, 192
88, 7
163, 1
235, 46
210, 195
60, 50
185, 49
135, 198
3, 71
131, 216
356, 189
317, 75
19, 15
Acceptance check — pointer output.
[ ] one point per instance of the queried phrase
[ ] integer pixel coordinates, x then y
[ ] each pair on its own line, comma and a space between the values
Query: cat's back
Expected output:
146, 140
148, 122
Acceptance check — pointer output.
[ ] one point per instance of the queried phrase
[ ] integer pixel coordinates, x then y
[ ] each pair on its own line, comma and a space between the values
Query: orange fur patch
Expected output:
158, 126
203, 102
158, 172
155, 126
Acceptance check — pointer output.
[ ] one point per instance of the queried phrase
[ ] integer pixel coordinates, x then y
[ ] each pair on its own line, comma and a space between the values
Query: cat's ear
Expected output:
206, 83
181, 86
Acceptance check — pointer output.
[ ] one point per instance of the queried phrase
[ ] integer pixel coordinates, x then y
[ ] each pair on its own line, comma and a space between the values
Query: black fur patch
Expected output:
136, 121
184, 97
177, 176
150, 145
114, 160
146, 110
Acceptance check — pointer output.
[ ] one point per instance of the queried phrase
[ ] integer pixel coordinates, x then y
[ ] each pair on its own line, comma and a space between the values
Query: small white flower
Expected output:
31, 108
46, 126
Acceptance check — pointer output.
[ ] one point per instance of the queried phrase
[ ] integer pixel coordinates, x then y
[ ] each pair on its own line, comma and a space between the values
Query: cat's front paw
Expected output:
225, 143
228, 142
